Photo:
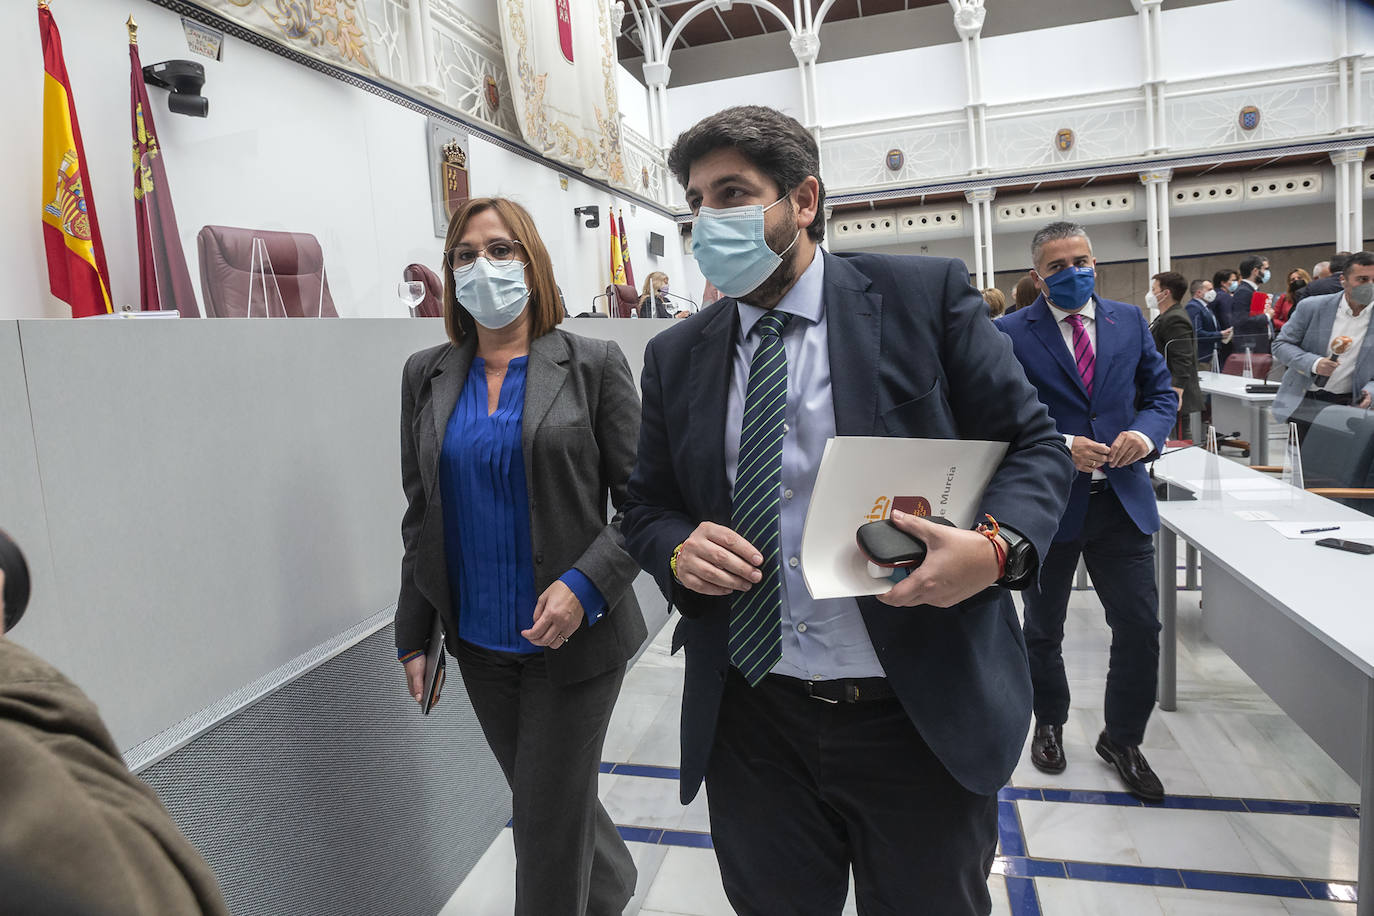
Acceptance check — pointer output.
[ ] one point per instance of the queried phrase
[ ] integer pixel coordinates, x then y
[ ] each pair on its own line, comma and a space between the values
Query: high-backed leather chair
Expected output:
626, 300
1338, 457
432, 306
1261, 364
261, 273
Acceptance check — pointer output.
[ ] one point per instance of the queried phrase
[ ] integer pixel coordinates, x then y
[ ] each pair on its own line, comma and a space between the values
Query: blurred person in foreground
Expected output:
79, 834
513, 435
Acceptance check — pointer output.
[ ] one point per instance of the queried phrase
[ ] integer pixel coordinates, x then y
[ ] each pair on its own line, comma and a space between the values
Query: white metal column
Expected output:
968, 21
1349, 199
1157, 234
981, 201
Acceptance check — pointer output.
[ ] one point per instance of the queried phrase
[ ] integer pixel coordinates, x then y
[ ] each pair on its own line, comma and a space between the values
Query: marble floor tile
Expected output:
1082, 833
1304, 847
634, 713
660, 742
1060, 897
1317, 908
688, 883
644, 801
1202, 840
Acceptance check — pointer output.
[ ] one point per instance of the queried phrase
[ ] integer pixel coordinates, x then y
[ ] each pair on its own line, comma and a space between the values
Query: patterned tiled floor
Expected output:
1259, 819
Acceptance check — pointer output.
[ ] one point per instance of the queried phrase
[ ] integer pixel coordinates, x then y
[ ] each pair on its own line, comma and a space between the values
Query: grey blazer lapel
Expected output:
544, 377
444, 387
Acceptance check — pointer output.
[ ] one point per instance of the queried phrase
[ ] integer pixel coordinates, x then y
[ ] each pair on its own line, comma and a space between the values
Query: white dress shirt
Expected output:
1089, 315
1347, 324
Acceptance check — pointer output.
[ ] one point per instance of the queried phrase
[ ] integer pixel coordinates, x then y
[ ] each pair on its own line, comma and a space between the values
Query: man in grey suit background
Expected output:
1317, 375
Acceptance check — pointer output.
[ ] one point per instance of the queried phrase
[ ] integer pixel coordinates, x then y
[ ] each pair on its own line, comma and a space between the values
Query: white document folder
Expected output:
863, 478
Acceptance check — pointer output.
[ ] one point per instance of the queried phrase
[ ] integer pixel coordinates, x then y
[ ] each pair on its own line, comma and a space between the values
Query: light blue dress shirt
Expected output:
821, 640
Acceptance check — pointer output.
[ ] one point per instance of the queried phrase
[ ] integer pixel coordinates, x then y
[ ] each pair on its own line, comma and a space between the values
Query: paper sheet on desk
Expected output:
1345, 530
862, 478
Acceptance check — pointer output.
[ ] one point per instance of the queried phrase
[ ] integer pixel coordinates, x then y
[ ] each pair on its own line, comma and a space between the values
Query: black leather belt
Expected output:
844, 690
1099, 486
1326, 397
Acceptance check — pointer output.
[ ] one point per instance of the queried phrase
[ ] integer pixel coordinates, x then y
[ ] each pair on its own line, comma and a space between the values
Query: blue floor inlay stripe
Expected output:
1124, 874
1009, 829
1244, 884
1314, 809
643, 769
1025, 867
1333, 890
1021, 896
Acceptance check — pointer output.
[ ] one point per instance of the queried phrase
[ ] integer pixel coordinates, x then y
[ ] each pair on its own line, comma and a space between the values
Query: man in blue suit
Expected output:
1107, 388
1314, 379
868, 733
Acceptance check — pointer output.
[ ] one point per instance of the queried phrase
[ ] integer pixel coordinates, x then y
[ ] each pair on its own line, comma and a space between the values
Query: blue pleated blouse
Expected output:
487, 542
487, 513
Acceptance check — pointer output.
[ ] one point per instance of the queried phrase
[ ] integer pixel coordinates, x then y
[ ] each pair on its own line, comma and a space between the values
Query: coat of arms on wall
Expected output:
493, 94
1063, 141
895, 159
1249, 117
448, 173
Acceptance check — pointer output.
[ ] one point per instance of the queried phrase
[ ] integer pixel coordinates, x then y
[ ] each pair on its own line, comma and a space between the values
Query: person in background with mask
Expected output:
1247, 300
1205, 327
513, 434
79, 834
1331, 283
1225, 282
1095, 366
654, 302
1314, 379
1176, 342
1283, 308
871, 733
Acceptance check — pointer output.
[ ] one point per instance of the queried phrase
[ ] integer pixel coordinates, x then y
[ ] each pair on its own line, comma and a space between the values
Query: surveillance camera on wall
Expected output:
184, 79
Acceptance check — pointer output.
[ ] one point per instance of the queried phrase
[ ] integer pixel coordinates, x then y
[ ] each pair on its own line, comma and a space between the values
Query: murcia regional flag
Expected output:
76, 257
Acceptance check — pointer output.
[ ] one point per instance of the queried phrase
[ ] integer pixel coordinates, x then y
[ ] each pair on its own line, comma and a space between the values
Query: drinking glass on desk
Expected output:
411, 293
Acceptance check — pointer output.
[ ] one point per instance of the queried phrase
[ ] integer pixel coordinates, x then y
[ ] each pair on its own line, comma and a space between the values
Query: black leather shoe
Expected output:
1047, 748
1135, 772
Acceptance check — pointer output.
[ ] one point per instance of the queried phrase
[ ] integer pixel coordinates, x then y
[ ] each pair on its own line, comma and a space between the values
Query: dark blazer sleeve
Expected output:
1156, 403
656, 518
615, 423
1179, 358
414, 613
992, 399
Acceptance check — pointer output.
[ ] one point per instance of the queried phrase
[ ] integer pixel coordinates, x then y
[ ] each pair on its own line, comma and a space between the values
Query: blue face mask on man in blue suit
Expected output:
1071, 288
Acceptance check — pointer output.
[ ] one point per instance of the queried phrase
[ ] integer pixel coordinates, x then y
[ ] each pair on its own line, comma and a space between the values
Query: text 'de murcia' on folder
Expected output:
863, 478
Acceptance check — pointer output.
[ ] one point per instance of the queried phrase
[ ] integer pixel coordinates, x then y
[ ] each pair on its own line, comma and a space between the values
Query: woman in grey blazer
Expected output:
513, 435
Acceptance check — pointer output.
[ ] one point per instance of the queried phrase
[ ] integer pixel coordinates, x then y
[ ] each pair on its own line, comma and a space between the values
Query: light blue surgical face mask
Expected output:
1233, 286
1072, 287
731, 250
494, 293
1264, 277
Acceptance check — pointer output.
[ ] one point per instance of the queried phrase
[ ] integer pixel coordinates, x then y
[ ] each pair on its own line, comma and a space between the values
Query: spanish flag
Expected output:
625, 250
76, 257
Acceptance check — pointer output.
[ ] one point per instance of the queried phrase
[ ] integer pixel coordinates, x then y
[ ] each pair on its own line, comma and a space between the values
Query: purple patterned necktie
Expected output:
1082, 351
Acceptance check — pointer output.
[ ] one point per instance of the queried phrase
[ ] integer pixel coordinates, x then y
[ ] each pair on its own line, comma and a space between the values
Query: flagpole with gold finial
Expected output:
42, 4
133, 30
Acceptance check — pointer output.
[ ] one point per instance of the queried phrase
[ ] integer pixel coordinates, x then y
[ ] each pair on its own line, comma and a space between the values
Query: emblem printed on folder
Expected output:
884, 506
895, 159
1249, 117
1063, 141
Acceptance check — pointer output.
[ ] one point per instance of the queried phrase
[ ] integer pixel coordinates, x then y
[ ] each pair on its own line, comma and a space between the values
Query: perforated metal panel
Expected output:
334, 795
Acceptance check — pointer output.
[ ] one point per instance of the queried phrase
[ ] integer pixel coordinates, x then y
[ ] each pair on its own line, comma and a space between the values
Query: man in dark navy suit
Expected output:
1107, 388
868, 733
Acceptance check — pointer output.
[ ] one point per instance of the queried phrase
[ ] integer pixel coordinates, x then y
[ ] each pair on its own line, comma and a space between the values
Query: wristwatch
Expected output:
1020, 568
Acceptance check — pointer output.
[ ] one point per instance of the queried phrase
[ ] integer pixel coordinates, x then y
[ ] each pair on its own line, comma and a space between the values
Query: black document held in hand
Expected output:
434, 666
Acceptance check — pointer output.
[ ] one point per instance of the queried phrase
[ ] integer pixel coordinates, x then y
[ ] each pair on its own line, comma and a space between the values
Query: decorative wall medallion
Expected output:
895, 159
1249, 117
644, 177
493, 94
1063, 141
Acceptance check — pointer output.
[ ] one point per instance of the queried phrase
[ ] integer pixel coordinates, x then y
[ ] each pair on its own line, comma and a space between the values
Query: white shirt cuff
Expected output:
1149, 443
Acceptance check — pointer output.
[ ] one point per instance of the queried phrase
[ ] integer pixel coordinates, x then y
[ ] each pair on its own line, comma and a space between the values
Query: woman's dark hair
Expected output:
776, 144
16, 593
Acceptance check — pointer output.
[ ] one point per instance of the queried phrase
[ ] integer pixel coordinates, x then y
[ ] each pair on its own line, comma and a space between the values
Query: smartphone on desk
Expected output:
1351, 546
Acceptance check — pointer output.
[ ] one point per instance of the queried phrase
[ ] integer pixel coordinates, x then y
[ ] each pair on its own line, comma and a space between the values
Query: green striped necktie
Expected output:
756, 615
